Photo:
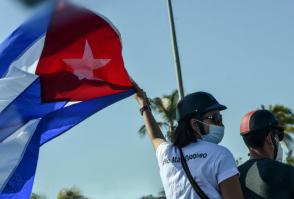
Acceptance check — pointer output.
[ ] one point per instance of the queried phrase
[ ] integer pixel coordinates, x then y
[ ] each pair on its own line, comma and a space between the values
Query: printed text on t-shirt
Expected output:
187, 157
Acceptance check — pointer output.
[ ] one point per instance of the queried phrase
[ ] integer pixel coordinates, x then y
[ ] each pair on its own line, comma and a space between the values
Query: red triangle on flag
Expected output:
82, 57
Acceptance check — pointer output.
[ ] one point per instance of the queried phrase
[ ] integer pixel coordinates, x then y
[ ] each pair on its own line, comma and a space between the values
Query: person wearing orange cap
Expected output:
263, 175
193, 165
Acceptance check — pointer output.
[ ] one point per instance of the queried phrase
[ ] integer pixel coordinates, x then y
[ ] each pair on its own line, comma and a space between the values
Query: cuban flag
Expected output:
57, 69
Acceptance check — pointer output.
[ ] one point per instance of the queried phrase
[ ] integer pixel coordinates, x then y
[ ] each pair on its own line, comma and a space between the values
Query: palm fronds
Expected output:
285, 116
165, 107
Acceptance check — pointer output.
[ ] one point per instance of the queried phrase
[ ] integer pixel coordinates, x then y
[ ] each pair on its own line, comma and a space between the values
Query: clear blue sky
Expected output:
240, 51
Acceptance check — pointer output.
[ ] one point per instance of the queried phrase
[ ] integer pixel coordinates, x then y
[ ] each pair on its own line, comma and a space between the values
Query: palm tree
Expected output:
72, 193
166, 108
161, 196
285, 117
36, 196
152, 197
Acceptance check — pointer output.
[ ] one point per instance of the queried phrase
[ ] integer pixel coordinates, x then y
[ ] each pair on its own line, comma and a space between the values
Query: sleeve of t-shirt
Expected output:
161, 151
226, 166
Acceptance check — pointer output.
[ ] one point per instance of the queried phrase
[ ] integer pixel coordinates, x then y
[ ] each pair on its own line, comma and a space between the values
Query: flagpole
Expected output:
175, 50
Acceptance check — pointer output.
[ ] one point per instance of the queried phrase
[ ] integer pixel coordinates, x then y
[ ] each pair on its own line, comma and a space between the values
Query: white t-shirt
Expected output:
209, 165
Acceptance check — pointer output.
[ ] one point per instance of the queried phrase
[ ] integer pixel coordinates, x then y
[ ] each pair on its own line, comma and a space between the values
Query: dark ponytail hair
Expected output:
183, 135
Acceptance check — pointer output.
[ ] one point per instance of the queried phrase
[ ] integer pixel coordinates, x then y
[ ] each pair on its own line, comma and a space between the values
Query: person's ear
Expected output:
194, 124
268, 140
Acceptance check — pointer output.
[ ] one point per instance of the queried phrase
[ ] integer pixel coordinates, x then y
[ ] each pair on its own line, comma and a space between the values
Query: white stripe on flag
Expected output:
12, 150
21, 74
29, 60
13, 86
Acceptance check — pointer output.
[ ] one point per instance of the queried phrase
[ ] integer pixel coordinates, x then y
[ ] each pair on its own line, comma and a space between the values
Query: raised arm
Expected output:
151, 125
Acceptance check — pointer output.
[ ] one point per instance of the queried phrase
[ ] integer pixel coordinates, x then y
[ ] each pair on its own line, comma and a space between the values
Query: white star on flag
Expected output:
85, 66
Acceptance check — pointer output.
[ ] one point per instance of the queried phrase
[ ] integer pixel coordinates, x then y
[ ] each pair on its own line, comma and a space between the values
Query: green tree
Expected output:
152, 197
165, 107
37, 196
286, 118
161, 195
72, 193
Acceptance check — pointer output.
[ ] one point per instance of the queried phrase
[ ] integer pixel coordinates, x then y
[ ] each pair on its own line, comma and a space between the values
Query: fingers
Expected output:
135, 84
137, 88
140, 92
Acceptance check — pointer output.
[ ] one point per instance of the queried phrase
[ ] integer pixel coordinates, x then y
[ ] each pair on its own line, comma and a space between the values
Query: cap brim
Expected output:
219, 107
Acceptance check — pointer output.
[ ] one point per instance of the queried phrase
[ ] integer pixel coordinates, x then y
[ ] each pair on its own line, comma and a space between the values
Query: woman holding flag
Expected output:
193, 159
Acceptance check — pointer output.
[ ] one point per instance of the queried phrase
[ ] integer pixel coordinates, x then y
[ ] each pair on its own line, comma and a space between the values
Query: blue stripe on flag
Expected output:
25, 193
22, 38
20, 183
63, 119
25, 107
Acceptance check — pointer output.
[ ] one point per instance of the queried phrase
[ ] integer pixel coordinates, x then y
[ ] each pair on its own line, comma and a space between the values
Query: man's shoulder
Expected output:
260, 162
266, 177
246, 164
267, 167
283, 170
273, 164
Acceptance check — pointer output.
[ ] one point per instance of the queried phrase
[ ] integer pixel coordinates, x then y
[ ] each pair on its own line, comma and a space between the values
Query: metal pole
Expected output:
175, 50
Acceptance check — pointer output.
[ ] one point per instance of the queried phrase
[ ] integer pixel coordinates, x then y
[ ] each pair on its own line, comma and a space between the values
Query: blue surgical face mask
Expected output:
215, 133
